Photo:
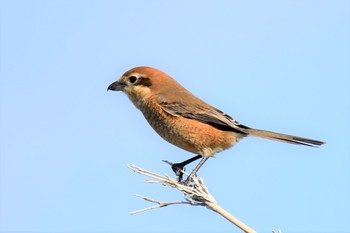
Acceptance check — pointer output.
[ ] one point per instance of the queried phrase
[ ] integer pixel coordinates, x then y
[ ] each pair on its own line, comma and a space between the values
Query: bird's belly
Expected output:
190, 135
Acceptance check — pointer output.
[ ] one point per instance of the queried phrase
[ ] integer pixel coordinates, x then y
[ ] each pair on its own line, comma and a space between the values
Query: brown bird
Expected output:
186, 121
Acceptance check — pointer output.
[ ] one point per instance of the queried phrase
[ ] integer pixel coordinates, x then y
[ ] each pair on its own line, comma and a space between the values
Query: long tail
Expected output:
284, 137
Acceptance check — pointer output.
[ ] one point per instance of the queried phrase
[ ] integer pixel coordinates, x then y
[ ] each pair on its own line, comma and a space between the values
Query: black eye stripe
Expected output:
144, 81
139, 80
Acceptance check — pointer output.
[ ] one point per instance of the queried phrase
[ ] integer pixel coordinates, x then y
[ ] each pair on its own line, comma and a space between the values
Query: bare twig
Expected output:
160, 204
196, 193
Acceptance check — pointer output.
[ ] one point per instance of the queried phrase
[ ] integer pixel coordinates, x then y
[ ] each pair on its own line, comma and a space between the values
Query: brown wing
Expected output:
194, 108
205, 114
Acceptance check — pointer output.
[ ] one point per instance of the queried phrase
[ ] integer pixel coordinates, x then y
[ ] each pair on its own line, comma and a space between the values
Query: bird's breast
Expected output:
188, 134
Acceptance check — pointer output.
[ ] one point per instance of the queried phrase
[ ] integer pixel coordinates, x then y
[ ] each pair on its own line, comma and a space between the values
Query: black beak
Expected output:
116, 86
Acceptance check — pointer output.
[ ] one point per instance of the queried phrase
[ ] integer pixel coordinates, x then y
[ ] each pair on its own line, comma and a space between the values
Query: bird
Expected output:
186, 121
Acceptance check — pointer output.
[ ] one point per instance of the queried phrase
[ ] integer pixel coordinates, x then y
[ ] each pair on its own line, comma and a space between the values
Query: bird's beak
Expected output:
116, 86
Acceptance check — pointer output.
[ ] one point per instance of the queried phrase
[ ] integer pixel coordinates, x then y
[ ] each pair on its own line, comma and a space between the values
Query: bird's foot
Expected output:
178, 168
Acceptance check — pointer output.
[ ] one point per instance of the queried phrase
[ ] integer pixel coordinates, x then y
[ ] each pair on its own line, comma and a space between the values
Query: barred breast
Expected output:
188, 134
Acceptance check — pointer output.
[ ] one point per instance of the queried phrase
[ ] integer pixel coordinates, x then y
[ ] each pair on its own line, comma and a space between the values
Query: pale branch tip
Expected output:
195, 193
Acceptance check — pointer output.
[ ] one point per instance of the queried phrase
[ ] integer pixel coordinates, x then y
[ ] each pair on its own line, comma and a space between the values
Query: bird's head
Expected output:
142, 82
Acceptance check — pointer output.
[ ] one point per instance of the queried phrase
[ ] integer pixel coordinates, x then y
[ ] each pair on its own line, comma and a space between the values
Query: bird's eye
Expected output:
132, 79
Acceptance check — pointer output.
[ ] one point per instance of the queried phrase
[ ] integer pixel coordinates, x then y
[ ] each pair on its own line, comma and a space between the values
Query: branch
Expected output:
196, 193
160, 204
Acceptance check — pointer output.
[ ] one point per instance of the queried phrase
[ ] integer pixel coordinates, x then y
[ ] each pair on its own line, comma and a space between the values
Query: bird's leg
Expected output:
179, 167
195, 170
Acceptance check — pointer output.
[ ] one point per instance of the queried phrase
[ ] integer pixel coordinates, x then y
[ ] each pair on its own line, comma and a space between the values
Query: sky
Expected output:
66, 142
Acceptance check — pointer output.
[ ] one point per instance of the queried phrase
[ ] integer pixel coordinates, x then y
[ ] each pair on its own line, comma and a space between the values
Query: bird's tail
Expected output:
284, 137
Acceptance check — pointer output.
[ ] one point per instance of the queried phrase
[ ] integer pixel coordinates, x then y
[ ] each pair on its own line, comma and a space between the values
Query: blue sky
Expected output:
66, 142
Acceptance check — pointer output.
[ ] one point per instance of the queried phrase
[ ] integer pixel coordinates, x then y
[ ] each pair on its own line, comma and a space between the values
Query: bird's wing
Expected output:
194, 108
205, 114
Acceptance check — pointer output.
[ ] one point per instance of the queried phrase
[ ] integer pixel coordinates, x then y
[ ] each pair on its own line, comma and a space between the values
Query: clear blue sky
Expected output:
66, 142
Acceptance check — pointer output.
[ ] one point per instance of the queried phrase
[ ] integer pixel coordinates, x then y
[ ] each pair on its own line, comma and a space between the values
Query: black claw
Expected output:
179, 168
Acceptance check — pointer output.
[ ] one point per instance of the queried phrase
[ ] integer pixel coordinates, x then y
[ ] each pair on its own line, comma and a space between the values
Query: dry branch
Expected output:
196, 193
